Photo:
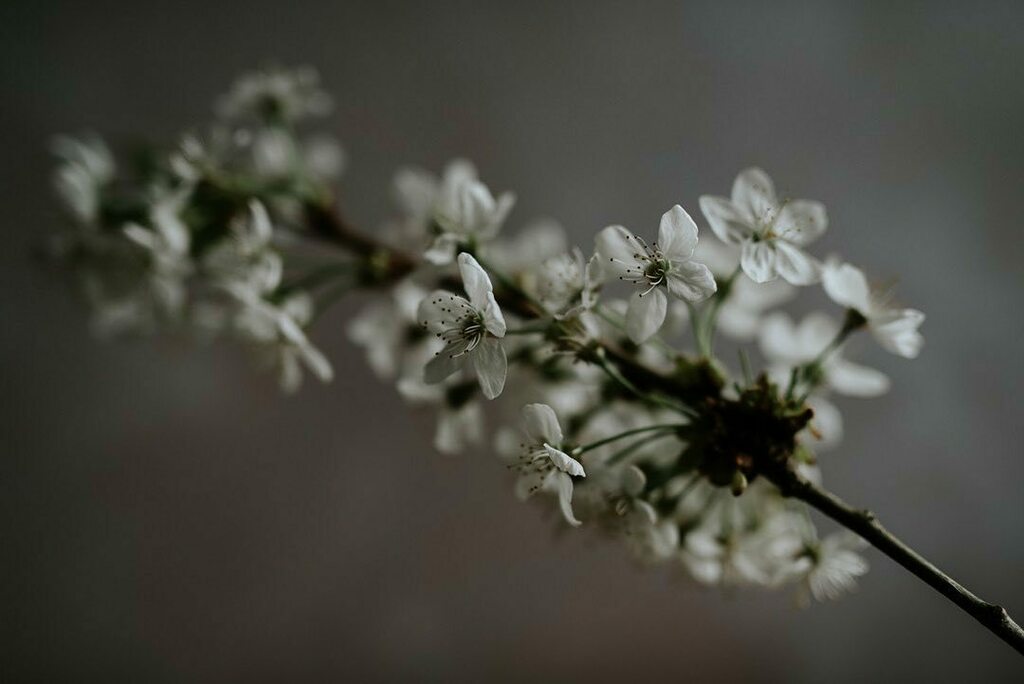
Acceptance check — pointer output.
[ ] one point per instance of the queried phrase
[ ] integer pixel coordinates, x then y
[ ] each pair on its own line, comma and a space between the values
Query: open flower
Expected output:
769, 233
894, 328
277, 330
786, 344
829, 568
541, 463
471, 330
86, 167
276, 95
664, 265
465, 213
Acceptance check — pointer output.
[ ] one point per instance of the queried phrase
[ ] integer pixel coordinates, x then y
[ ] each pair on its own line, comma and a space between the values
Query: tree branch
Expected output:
863, 522
395, 264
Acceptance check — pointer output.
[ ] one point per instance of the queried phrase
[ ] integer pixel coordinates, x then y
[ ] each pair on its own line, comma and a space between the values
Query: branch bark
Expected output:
863, 522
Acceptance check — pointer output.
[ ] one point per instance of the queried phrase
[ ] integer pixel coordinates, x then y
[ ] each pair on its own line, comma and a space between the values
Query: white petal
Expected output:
758, 261
262, 229
442, 250
562, 483
753, 193
494, 321
855, 380
542, 424
846, 286
633, 480
457, 429
475, 280
415, 191
896, 331
290, 377
777, 339
440, 310
794, 265
816, 331
447, 361
727, 222
677, 234
491, 366
645, 315
618, 249
691, 281
827, 422
801, 221
564, 462
316, 362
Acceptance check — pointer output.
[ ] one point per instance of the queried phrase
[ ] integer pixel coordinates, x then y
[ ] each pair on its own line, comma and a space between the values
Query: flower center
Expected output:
534, 463
650, 268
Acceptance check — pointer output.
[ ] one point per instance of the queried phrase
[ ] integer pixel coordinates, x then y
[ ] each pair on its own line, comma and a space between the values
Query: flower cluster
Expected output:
632, 427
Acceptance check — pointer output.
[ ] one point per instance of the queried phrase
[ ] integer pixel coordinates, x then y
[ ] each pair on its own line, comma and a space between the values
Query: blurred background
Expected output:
168, 516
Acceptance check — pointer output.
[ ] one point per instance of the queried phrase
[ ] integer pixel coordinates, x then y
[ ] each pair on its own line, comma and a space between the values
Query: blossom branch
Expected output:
864, 523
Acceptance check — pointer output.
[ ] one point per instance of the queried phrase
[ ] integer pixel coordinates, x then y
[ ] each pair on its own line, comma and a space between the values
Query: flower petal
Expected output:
459, 428
494, 321
794, 265
897, 332
562, 484
758, 261
691, 281
827, 423
564, 461
446, 362
777, 337
753, 193
855, 380
542, 424
442, 250
618, 249
645, 315
440, 310
491, 366
801, 221
726, 221
677, 234
414, 192
475, 280
846, 285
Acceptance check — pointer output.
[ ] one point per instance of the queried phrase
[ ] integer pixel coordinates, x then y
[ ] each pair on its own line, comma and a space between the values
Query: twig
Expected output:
863, 522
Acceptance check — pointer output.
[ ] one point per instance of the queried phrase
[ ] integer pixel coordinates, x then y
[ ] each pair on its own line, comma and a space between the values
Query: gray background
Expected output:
167, 516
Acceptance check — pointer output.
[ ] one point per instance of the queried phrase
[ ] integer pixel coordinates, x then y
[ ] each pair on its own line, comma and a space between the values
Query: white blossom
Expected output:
895, 329
786, 345
245, 260
663, 265
277, 329
828, 568
86, 167
770, 233
466, 214
471, 330
541, 462
272, 95
166, 243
